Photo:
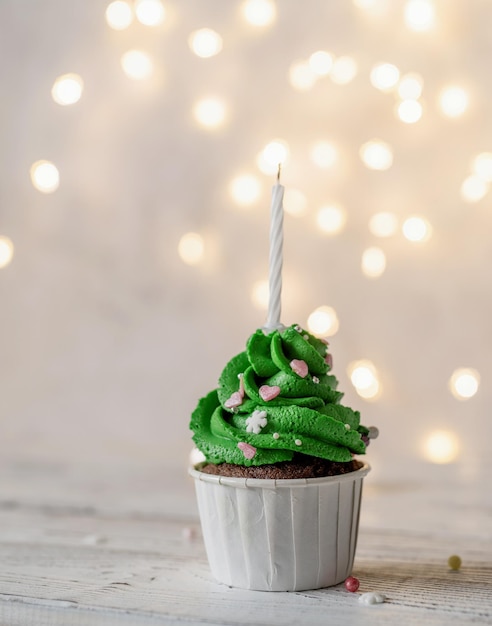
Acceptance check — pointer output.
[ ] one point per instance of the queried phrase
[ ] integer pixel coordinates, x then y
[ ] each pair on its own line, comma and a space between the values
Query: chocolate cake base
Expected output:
301, 466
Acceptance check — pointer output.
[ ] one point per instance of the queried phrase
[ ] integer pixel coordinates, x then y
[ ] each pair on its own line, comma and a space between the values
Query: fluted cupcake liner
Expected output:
280, 535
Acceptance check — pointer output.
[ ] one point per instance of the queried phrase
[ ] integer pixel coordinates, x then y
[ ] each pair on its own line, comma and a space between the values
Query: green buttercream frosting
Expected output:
274, 399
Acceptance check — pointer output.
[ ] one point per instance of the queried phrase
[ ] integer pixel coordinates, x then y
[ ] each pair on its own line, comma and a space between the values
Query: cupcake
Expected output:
279, 491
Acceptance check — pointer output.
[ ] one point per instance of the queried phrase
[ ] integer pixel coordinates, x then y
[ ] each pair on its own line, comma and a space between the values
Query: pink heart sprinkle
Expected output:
329, 360
299, 367
234, 401
268, 393
247, 450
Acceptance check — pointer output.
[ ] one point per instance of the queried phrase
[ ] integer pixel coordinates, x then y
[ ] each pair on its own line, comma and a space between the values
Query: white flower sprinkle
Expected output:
298, 442
315, 379
256, 422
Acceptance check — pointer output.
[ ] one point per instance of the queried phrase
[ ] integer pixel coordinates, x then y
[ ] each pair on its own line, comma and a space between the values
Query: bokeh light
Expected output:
416, 229
331, 219
210, 113
275, 153
453, 101
67, 89
364, 377
323, 322
344, 70
119, 15
45, 176
150, 12
419, 15
245, 189
384, 76
410, 86
205, 42
473, 188
383, 224
259, 12
464, 383
6, 251
260, 294
191, 248
295, 202
373, 262
409, 111
137, 65
321, 62
196, 456
323, 154
301, 76
441, 447
376, 155
482, 166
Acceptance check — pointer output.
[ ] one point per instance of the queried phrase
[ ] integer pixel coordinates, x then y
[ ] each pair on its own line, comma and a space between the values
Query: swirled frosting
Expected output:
274, 399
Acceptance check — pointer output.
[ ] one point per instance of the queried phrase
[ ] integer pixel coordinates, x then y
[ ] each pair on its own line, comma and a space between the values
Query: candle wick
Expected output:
279, 172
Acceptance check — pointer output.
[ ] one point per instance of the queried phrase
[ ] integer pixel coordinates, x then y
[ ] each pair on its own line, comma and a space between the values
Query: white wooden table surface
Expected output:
81, 545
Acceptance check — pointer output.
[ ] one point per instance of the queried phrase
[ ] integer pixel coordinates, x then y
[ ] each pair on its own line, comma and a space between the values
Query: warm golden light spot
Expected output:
441, 447
323, 154
409, 111
301, 76
474, 188
150, 12
196, 456
45, 176
376, 155
259, 12
416, 229
331, 219
364, 377
344, 70
383, 224
245, 189
419, 15
67, 89
482, 166
260, 294
119, 15
210, 112
384, 76
410, 87
453, 101
464, 383
191, 248
137, 65
295, 202
205, 43
6, 251
373, 262
323, 322
321, 62
274, 153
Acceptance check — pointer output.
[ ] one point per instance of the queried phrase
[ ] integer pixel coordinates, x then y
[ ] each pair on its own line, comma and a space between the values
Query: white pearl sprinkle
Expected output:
298, 442
373, 432
306, 337
275, 435
347, 426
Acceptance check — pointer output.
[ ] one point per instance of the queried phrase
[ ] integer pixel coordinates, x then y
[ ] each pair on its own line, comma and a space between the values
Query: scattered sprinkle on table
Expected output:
454, 562
352, 584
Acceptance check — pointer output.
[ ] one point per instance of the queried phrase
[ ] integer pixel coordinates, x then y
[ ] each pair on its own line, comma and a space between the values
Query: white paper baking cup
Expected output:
280, 535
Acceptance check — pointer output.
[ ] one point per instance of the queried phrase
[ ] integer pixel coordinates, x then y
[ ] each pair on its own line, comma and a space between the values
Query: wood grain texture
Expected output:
91, 556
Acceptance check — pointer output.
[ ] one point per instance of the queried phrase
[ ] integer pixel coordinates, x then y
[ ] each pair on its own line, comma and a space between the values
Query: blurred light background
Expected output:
139, 146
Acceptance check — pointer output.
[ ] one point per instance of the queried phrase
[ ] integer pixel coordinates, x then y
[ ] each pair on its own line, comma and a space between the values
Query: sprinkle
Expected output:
372, 597
275, 435
298, 442
241, 385
306, 337
454, 562
315, 379
234, 401
268, 393
366, 440
298, 328
373, 432
352, 584
329, 360
347, 426
299, 367
256, 422
246, 449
